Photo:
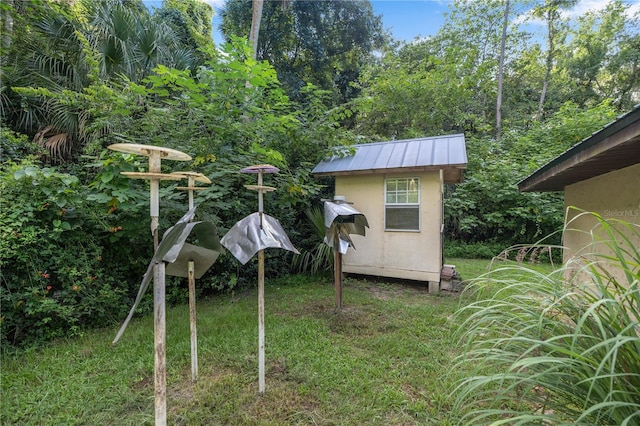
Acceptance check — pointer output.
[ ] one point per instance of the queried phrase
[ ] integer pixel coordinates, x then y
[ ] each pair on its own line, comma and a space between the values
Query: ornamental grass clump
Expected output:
558, 348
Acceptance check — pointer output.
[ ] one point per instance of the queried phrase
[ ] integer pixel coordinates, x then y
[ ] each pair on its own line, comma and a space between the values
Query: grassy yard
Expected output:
386, 358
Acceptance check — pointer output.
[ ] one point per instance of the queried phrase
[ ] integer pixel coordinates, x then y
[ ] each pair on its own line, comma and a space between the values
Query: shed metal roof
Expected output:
447, 152
614, 147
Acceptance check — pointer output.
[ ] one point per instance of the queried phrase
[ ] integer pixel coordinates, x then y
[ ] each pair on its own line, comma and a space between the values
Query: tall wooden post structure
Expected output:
154, 175
192, 178
260, 170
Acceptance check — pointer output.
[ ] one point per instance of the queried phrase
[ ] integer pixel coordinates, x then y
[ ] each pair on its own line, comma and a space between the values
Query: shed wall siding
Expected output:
408, 255
614, 195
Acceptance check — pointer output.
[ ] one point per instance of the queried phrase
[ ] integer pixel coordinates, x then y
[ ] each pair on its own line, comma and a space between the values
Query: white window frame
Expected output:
400, 198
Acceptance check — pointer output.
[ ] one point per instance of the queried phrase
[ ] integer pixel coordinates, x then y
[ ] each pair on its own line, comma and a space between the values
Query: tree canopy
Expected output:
325, 43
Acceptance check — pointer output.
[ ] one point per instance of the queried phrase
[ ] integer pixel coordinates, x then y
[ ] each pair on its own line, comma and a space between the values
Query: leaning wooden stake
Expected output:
260, 170
261, 382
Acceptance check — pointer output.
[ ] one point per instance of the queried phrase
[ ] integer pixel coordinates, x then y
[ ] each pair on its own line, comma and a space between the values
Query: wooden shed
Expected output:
398, 185
600, 174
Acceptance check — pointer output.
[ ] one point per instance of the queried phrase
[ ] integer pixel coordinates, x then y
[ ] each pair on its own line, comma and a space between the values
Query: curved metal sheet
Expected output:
347, 214
247, 237
201, 257
340, 221
169, 250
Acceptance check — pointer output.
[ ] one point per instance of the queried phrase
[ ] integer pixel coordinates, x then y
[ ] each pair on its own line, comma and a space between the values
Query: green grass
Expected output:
387, 358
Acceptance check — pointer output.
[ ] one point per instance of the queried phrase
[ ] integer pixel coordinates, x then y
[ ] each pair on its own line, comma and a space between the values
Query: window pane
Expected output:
402, 218
402, 191
391, 198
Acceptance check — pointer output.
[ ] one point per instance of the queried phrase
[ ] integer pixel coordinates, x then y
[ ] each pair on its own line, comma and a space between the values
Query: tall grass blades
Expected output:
557, 348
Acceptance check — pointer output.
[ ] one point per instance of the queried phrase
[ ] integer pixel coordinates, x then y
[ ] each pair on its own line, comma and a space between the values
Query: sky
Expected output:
410, 19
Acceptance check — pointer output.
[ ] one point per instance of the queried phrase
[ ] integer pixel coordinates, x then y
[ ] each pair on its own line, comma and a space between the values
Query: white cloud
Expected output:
216, 4
580, 9
584, 6
634, 9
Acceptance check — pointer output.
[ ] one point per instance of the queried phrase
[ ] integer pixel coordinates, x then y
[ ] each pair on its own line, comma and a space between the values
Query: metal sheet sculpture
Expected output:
174, 250
198, 261
252, 235
340, 221
157, 266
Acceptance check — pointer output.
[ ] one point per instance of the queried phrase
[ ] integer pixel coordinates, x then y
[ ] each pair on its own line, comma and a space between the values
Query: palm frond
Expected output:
320, 258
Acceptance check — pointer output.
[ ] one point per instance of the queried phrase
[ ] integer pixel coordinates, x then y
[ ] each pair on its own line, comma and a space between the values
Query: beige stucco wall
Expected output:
399, 254
615, 195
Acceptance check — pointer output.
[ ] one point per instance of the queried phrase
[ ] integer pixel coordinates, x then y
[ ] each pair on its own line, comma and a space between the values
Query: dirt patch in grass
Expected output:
282, 401
145, 382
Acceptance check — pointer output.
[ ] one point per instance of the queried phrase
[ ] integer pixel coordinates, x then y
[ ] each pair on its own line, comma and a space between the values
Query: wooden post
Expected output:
337, 269
192, 320
260, 169
159, 333
155, 175
261, 382
154, 191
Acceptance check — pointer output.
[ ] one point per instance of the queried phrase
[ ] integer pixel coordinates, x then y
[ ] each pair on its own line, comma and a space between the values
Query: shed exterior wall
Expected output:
614, 195
399, 254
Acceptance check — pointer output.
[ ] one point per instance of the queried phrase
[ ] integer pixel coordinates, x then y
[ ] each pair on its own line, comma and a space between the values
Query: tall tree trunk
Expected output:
255, 25
7, 25
549, 61
501, 72
550, 12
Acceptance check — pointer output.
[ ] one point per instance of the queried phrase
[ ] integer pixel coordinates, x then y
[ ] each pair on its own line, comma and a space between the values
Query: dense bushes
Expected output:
58, 275
479, 250
488, 209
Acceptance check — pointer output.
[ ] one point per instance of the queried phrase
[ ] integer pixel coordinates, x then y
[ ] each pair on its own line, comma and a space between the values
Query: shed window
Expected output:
402, 204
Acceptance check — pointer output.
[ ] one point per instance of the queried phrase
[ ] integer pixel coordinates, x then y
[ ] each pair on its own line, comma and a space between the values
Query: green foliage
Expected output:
64, 53
412, 93
191, 21
325, 43
53, 281
487, 206
562, 348
447, 83
544, 141
599, 50
478, 250
15, 146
